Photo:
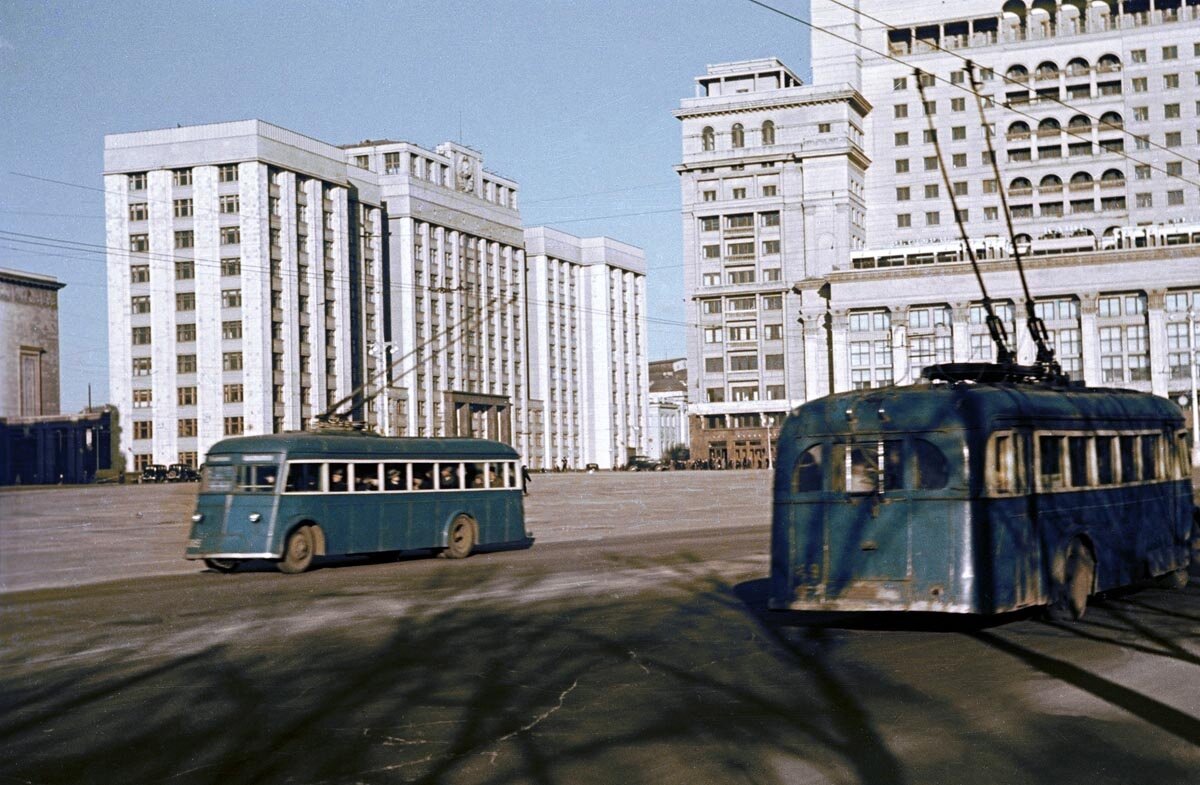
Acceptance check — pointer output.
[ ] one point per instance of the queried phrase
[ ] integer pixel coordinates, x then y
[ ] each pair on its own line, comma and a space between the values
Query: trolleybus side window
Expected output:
1149, 446
810, 470
366, 477
893, 465
1077, 457
338, 478
302, 477
449, 476
474, 474
395, 477
1002, 464
1183, 456
422, 476
218, 479
1050, 461
927, 468
1128, 450
1105, 474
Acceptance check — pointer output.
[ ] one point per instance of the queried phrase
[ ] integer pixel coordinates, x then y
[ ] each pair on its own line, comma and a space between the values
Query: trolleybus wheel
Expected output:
1072, 596
461, 539
298, 552
221, 565
1175, 579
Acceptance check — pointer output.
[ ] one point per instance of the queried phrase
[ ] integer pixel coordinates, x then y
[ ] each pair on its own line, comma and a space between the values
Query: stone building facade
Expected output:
29, 350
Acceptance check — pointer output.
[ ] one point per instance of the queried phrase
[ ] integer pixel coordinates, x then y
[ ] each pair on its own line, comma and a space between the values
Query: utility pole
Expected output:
383, 351
1191, 314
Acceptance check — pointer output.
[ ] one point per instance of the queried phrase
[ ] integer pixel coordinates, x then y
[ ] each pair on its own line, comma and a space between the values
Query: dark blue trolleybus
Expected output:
970, 496
290, 497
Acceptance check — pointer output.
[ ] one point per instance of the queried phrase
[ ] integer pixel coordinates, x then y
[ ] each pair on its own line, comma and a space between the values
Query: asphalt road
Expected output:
629, 645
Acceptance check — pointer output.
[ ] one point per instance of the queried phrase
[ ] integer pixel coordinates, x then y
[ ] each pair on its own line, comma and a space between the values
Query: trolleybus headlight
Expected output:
198, 517
255, 517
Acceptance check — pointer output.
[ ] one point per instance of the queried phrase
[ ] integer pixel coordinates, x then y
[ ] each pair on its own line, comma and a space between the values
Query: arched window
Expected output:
1110, 120
768, 133
1113, 176
1081, 177
1108, 63
739, 135
1050, 181
1048, 125
1018, 129
1077, 67
1018, 73
708, 139
1080, 122
1047, 70
1020, 184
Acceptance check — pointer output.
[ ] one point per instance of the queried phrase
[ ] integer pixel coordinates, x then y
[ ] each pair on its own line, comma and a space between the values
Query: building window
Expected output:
959, 160
141, 336
234, 426
231, 298
929, 135
1174, 168
770, 247
231, 235
185, 301
138, 211
708, 139
770, 190
233, 393
137, 181
139, 243
712, 335
227, 173
231, 330
187, 427
185, 239
185, 396
1144, 200
1174, 198
711, 306
231, 361
738, 135
739, 193
899, 83
1174, 139
230, 204
958, 104
931, 163
933, 218
143, 399
231, 266
903, 220
903, 194
901, 139
823, 128
900, 111
185, 363
141, 366
1137, 55
185, 333
185, 270
139, 304
181, 177
931, 191
1170, 81
143, 429
709, 196
901, 165
710, 223
139, 273
768, 133
183, 208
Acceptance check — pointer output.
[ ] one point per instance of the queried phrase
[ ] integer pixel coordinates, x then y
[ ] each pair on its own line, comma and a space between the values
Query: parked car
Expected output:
640, 463
181, 472
155, 472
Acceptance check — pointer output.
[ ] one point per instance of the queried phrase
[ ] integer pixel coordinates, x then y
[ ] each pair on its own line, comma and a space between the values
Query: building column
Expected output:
1089, 336
814, 331
840, 323
960, 331
1022, 342
1160, 372
899, 339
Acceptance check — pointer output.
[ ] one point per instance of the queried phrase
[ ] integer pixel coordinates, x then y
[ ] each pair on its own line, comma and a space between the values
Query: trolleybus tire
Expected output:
298, 551
1070, 601
460, 540
221, 565
1175, 579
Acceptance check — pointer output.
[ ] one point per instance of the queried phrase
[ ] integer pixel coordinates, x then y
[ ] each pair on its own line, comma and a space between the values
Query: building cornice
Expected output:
713, 107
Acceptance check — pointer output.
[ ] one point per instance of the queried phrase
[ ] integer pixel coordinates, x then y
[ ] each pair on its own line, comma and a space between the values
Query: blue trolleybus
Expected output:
291, 497
978, 497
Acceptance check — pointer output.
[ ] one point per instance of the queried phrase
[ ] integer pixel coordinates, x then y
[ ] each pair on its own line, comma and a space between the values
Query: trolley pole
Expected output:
1191, 314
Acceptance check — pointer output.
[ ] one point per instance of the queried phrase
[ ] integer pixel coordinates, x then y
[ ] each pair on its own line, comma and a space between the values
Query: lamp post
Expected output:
1191, 314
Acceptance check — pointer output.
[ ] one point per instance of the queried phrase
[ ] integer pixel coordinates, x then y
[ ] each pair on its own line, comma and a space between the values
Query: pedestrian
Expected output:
524, 479
564, 464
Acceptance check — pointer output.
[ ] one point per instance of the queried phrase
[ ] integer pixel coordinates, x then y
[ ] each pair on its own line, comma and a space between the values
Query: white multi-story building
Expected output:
259, 277
243, 283
668, 406
772, 186
1093, 109
458, 296
587, 328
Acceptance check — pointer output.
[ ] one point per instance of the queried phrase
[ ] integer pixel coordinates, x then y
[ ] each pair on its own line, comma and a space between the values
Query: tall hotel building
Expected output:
587, 301
257, 277
1094, 110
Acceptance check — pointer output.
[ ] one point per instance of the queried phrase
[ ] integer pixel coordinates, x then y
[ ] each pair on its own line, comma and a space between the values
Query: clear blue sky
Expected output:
571, 99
